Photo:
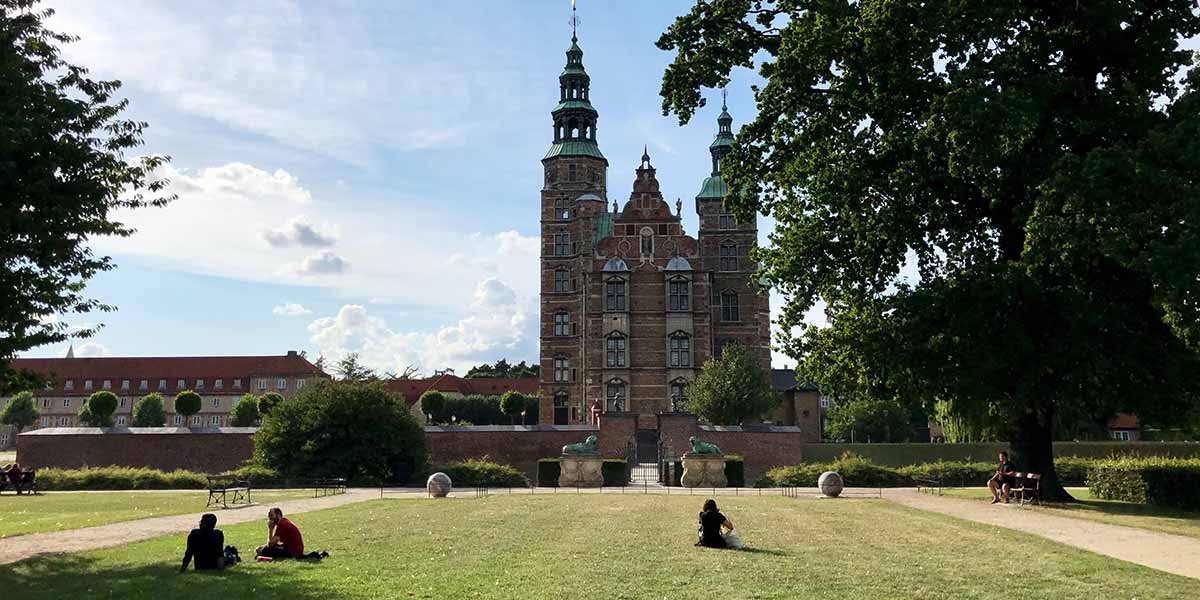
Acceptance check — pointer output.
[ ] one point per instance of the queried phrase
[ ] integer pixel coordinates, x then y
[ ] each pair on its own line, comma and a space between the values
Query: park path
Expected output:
1171, 553
21, 547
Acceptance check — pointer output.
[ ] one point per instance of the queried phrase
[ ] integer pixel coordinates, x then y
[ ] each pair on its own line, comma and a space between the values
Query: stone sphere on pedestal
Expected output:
438, 485
830, 483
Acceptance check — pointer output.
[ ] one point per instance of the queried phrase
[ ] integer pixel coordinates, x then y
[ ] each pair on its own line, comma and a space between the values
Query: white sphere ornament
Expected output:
830, 483
438, 485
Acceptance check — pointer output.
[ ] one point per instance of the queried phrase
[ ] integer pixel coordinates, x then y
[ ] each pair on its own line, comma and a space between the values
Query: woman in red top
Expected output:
284, 539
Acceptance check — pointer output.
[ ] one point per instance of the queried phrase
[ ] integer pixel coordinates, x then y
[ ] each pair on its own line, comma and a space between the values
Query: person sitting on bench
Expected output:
12, 472
711, 522
206, 544
284, 539
1003, 480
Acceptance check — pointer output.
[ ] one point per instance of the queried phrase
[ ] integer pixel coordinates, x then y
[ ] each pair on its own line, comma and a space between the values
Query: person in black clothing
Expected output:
206, 544
711, 522
1003, 480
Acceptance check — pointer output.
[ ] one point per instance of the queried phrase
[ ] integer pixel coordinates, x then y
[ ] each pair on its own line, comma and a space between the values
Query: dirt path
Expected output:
21, 547
1171, 553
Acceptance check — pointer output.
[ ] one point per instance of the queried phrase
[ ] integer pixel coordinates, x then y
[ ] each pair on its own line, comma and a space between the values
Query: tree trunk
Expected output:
1033, 452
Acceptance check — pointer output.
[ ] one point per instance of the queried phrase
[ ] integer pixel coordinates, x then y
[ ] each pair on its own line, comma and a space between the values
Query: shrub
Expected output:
259, 476
98, 409
615, 472
149, 411
735, 471
267, 403
802, 475
857, 471
433, 403
548, 470
1167, 482
187, 403
245, 412
481, 472
512, 403
966, 474
119, 478
20, 412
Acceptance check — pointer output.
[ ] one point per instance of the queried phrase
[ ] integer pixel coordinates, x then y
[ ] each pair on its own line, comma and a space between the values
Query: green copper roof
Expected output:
722, 141
574, 148
714, 188
604, 226
581, 104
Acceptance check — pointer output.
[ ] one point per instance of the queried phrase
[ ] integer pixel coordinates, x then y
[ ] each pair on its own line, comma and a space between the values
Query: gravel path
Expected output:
21, 547
1171, 553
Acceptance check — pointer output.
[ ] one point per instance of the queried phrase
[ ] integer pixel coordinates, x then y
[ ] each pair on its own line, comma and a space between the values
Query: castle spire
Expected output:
574, 117
714, 186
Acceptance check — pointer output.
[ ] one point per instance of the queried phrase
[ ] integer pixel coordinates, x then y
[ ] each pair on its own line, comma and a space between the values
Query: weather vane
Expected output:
574, 22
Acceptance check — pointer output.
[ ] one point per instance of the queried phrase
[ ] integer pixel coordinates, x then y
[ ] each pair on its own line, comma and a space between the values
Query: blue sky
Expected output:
360, 177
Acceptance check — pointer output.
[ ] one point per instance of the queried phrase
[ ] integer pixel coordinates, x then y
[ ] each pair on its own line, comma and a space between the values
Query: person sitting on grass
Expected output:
205, 544
284, 539
1003, 480
711, 523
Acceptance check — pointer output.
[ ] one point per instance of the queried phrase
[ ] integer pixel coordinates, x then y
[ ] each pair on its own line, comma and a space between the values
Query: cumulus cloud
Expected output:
300, 232
290, 309
323, 263
88, 350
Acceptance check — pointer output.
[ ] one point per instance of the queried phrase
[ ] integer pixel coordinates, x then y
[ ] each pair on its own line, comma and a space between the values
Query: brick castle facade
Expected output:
632, 306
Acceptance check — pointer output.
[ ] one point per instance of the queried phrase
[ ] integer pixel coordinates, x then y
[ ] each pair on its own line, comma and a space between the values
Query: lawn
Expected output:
8, 456
1165, 520
53, 511
612, 546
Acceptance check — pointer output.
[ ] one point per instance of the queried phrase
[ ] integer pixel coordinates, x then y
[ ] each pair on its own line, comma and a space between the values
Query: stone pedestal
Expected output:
581, 471
703, 470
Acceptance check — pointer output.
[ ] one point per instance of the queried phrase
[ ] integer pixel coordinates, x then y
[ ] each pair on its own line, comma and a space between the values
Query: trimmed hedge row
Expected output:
481, 472
1168, 482
118, 478
614, 470
857, 471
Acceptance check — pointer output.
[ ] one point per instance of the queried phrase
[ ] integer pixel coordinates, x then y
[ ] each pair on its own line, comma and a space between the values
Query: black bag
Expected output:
231, 556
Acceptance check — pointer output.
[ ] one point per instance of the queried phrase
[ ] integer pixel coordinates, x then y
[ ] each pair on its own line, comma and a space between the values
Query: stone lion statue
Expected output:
699, 447
587, 446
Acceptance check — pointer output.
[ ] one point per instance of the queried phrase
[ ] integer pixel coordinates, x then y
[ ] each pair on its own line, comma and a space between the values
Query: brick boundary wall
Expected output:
204, 450
518, 445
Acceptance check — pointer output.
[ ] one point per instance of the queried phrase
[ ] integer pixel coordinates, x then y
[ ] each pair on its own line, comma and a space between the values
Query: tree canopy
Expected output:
20, 411
67, 163
267, 403
245, 412
188, 403
503, 370
97, 410
732, 389
996, 201
148, 412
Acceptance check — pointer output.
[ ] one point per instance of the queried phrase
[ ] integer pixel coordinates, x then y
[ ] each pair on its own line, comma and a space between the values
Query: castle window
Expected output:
678, 294
729, 258
560, 400
562, 244
647, 241
144, 385
729, 307
615, 351
124, 384
678, 396
681, 351
614, 294
562, 370
571, 174
562, 280
726, 222
617, 402
562, 323
562, 208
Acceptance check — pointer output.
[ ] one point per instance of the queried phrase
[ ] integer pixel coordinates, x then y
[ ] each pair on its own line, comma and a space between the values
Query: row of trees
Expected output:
479, 410
98, 409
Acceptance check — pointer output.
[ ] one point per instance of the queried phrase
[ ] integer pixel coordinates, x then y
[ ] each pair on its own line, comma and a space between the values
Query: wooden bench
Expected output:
1028, 486
220, 490
327, 487
26, 481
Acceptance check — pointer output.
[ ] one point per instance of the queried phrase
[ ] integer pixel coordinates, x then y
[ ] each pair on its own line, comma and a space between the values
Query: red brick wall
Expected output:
763, 449
167, 449
520, 447
674, 429
616, 433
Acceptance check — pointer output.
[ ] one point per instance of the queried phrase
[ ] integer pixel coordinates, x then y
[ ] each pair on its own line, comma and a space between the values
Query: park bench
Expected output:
228, 490
1028, 486
330, 486
26, 482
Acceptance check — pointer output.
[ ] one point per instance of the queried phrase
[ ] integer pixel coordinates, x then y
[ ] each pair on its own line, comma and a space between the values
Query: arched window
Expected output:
678, 294
615, 351
562, 369
681, 351
562, 280
562, 208
562, 323
647, 241
729, 307
729, 256
615, 393
614, 294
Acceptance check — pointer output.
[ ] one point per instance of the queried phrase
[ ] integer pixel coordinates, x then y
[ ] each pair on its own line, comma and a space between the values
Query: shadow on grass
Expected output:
764, 551
1125, 508
75, 575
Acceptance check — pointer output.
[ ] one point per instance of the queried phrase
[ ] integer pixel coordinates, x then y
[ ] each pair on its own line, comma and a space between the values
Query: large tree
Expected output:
731, 389
148, 412
1035, 163
65, 169
19, 412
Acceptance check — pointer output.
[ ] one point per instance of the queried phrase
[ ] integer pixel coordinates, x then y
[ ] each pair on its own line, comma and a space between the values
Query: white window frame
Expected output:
87, 384
262, 384
66, 403
219, 384
144, 385
199, 384
216, 403
214, 420
106, 384
280, 383
125, 384
162, 384
237, 384
197, 420
69, 385
121, 420
178, 420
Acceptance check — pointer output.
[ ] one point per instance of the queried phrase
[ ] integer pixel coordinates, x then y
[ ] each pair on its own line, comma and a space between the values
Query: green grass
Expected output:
612, 546
1113, 512
53, 511
8, 456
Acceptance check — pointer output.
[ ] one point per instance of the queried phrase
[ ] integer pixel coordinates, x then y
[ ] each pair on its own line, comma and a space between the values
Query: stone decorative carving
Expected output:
831, 484
703, 470
699, 447
586, 447
439, 485
581, 471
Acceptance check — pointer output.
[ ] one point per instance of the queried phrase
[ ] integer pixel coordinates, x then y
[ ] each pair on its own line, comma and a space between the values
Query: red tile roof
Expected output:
1123, 421
483, 386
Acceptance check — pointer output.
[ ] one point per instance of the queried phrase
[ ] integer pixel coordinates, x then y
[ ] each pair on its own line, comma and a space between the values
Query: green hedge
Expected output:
615, 471
118, 478
481, 472
1173, 483
899, 455
857, 471
548, 470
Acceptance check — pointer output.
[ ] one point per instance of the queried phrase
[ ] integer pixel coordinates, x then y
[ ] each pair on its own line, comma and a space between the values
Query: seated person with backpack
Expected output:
205, 544
284, 539
711, 523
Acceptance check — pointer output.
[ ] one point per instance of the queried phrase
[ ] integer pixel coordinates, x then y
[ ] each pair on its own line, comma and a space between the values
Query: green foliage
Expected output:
1034, 162
481, 472
149, 411
267, 403
20, 411
512, 403
259, 476
548, 470
870, 420
245, 412
504, 370
615, 472
966, 424
353, 430
68, 164
732, 388
118, 478
349, 369
1167, 482
433, 403
859, 471
187, 403
98, 409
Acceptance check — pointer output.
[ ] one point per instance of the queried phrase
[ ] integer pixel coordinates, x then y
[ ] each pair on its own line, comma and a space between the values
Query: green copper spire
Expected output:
574, 117
714, 186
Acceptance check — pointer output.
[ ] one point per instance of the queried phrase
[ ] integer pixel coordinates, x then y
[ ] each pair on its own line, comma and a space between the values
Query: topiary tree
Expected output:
97, 411
433, 403
732, 388
356, 430
245, 412
149, 411
512, 403
187, 403
267, 403
20, 412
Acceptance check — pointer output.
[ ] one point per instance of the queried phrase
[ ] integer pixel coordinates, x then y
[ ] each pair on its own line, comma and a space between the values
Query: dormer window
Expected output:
125, 384
107, 384
87, 384
144, 385
219, 384
199, 384
179, 385
162, 384
69, 385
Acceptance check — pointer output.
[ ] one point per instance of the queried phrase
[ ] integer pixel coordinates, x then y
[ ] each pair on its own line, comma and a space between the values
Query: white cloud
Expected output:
323, 263
90, 349
290, 309
300, 232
